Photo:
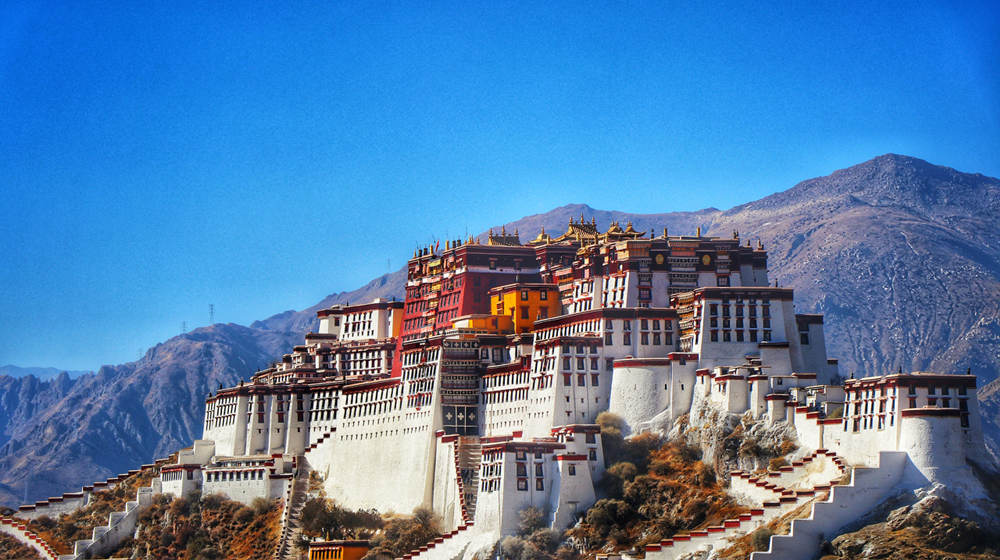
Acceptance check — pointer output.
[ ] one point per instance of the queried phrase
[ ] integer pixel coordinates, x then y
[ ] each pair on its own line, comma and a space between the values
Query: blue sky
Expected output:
155, 159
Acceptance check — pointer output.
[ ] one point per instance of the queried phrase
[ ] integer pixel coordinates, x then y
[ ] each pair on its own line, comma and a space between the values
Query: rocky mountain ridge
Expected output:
898, 253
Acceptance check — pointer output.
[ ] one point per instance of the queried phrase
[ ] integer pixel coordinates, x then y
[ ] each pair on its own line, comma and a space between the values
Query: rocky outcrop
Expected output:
928, 529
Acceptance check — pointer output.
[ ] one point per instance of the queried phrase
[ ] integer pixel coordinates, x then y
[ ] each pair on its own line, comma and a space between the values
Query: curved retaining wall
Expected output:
638, 392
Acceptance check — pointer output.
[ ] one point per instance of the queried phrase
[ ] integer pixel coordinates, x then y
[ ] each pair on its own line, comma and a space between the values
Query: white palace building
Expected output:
477, 395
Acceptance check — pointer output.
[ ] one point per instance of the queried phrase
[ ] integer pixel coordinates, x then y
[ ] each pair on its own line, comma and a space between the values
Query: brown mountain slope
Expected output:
126, 415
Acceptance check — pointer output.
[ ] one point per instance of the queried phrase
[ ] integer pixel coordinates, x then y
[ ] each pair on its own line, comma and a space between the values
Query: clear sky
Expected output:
156, 158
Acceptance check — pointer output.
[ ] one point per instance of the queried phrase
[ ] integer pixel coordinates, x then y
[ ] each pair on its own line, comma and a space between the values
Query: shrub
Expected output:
545, 540
761, 539
244, 516
531, 519
511, 548
776, 463
261, 505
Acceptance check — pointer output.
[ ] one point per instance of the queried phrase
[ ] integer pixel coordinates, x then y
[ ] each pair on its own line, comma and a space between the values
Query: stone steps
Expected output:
776, 500
868, 487
22, 534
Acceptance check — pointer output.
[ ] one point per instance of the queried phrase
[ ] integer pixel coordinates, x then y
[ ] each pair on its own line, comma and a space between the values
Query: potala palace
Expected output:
477, 395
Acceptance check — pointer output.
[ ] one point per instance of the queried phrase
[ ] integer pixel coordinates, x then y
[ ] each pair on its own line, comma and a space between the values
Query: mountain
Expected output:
43, 373
901, 255
65, 433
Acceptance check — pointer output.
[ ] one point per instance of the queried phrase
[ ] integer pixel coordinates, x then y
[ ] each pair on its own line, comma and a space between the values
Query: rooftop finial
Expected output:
699, 231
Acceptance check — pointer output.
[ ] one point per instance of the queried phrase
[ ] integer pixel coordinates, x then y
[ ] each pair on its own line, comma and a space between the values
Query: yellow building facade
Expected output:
525, 303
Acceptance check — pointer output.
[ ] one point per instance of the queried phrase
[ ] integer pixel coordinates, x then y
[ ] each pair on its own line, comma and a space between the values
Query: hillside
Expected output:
899, 254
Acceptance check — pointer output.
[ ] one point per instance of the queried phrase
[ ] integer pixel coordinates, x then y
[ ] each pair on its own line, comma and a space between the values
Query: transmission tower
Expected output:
184, 327
211, 314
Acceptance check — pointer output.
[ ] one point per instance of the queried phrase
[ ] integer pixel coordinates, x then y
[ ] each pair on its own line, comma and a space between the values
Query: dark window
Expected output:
592, 454
572, 470
522, 484
590, 438
524, 295
804, 338
524, 313
538, 469
539, 485
522, 469
714, 337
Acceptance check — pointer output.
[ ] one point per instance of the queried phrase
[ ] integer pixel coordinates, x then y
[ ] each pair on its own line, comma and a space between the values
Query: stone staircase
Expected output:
121, 525
470, 455
446, 547
291, 516
321, 439
846, 504
778, 493
20, 532
72, 501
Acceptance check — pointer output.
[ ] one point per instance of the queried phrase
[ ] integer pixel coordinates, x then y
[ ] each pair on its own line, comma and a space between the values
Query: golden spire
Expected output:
699, 231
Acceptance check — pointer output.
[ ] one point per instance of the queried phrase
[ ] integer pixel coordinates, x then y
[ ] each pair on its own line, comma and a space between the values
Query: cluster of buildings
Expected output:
478, 394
